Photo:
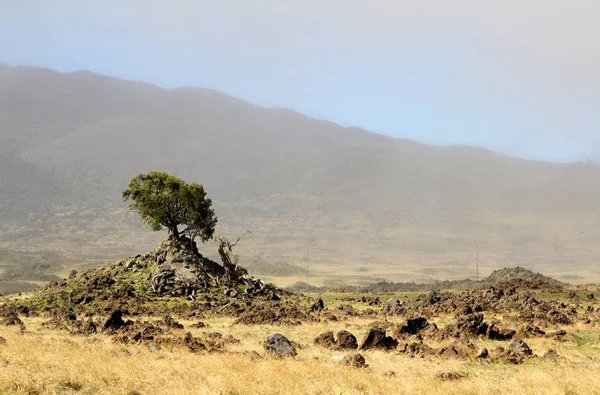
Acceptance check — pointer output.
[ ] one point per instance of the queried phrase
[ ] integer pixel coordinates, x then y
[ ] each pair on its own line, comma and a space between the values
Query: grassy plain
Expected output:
358, 252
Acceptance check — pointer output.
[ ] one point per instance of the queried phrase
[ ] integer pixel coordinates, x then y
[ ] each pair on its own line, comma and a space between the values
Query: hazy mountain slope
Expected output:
25, 188
345, 194
236, 162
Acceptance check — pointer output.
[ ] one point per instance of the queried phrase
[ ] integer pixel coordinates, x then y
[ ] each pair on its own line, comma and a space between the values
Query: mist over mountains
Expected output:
71, 142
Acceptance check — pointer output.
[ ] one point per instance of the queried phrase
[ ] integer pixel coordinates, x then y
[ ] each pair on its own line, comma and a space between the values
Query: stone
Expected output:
278, 345
519, 347
253, 355
556, 317
89, 327
198, 325
552, 355
419, 349
394, 306
346, 341
12, 319
483, 353
325, 340
170, 322
318, 305
115, 321
376, 338
411, 326
450, 376
355, 360
193, 343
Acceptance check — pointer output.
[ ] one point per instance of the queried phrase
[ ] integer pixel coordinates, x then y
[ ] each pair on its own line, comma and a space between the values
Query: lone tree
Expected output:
165, 201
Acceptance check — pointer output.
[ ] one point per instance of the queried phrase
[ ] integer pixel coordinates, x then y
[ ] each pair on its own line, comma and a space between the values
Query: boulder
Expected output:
278, 345
168, 321
411, 327
458, 350
325, 340
519, 347
89, 327
115, 321
552, 355
483, 353
198, 325
494, 333
347, 309
346, 341
558, 318
394, 306
318, 305
355, 360
376, 338
193, 344
417, 349
12, 319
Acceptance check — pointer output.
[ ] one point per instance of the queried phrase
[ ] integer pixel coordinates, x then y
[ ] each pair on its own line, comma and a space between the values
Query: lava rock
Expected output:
115, 321
279, 345
318, 305
519, 347
376, 338
346, 341
355, 360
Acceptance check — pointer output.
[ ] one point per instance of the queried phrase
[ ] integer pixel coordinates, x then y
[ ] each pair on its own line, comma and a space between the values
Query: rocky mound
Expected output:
518, 277
173, 269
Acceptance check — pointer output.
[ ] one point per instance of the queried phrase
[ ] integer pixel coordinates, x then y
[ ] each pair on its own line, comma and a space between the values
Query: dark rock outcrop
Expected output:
376, 339
279, 346
345, 341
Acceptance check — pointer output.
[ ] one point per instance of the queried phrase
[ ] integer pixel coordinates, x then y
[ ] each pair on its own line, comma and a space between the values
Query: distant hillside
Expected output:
347, 197
25, 188
522, 278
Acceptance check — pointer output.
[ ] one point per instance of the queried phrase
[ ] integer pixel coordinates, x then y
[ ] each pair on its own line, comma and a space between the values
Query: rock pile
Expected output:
492, 300
174, 268
274, 313
520, 278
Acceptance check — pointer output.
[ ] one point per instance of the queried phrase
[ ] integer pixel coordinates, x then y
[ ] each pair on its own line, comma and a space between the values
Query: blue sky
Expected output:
520, 77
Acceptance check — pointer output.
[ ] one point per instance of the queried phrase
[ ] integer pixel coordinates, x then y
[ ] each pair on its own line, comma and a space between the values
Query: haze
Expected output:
518, 77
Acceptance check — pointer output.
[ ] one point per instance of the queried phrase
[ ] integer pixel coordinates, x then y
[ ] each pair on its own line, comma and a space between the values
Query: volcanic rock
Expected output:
355, 360
376, 338
278, 345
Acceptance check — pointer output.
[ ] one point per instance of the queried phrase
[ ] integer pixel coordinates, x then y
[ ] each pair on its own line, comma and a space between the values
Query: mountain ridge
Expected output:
348, 195
197, 89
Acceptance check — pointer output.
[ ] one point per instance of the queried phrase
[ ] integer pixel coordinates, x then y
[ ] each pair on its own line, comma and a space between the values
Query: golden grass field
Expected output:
40, 361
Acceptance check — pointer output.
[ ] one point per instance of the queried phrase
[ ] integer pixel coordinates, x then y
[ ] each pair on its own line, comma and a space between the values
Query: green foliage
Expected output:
165, 201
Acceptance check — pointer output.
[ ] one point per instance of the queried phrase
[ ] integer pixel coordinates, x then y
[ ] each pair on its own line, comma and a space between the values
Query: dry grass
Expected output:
42, 361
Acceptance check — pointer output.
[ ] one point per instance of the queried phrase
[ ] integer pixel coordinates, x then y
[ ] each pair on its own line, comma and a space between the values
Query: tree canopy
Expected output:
165, 201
